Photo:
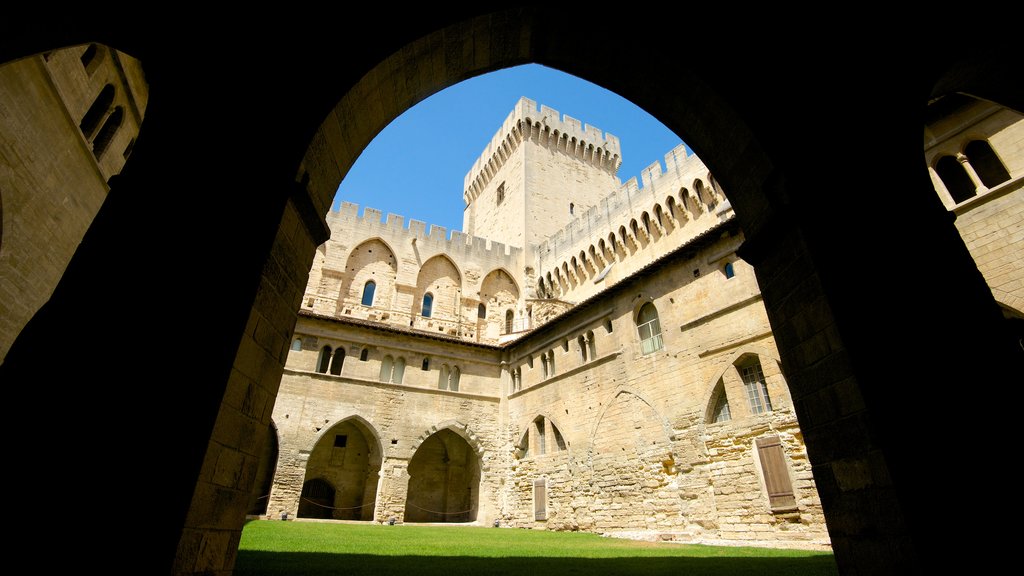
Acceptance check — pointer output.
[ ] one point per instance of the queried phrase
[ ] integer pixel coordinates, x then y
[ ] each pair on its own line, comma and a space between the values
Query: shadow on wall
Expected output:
253, 563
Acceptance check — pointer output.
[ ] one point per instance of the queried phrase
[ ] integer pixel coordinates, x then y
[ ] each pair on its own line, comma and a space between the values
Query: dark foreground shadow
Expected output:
252, 563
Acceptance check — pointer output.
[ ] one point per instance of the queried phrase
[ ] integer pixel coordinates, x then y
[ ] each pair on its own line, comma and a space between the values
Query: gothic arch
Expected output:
360, 268
440, 277
735, 358
666, 426
376, 444
459, 428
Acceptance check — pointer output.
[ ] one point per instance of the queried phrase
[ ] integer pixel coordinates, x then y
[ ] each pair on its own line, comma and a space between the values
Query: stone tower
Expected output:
538, 172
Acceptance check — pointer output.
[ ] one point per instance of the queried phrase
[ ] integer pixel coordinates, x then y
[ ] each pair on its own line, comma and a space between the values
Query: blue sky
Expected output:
416, 165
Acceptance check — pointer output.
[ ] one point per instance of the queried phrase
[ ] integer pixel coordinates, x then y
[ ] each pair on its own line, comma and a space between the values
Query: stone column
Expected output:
979, 186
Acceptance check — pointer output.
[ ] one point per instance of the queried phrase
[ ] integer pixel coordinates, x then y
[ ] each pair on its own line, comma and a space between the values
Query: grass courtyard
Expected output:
274, 548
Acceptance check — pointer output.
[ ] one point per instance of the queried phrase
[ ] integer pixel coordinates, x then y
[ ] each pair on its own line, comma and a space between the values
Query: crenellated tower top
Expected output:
539, 170
527, 121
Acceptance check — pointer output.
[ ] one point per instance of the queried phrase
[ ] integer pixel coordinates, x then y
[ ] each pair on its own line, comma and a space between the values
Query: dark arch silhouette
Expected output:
797, 218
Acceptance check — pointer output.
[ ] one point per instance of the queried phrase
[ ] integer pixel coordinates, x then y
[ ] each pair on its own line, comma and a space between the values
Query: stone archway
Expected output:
444, 480
260, 495
346, 458
842, 321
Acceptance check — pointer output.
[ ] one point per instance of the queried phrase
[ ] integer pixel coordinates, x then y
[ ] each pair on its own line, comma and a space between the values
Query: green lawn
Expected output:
273, 548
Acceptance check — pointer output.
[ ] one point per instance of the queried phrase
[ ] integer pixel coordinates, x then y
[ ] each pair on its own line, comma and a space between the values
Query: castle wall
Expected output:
993, 230
520, 189
990, 223
404, 261
631, 227
399, 416
581, 420
640, 453
51, 182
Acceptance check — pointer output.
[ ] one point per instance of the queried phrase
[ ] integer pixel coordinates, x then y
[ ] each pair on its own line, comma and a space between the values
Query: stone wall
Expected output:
990, 221
640, 453
51, 198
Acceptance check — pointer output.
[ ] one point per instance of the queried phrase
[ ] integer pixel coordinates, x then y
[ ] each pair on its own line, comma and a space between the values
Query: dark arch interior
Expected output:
854, 330
444, 480
347, 457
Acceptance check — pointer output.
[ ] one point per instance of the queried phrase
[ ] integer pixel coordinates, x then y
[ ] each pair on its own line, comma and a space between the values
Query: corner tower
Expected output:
539, 171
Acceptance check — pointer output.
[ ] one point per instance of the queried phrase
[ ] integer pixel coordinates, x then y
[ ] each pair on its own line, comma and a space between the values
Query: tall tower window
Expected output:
368, 291
428, 304
91, 121
324, 361
106, 133
501, 193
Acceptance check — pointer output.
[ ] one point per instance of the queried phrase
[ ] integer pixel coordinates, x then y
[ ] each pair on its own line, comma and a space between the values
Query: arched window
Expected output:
364, 355
453, 379
540, 436
985, 162
324, 361
481, 312
368, 290
425, 365
582, 342
544, 364
649, 329
955, 178
720, 409
89, 55
399, 372
572, 208
509, 317
91, 121
442, 377
387, 366
428, 304
728, 270
591, 345
338, 361
559, 441
757, 389
106, 133
551, 362
297, 344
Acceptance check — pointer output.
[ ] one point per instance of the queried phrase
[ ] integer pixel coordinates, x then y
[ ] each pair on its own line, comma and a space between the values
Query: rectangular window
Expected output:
340, 440
776, 474
757, 390
501, 193
540, 499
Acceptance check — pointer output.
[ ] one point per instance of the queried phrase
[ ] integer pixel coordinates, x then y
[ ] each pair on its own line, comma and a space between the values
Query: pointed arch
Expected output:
374, 261
438, 290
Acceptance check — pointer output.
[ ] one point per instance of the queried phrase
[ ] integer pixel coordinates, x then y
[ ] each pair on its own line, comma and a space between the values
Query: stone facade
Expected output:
86, 102
978, 147
568, 384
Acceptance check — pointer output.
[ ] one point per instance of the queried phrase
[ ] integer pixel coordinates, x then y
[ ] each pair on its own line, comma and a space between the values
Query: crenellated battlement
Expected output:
347, 223
549, 128
616, 210
631, 227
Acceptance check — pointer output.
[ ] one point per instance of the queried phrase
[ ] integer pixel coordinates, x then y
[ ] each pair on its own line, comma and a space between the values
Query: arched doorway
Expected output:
444, 480
341, 474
